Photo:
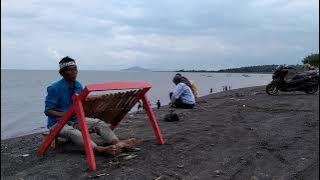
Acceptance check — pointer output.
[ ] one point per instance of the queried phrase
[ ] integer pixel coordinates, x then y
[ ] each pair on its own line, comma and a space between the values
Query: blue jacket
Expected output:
59, 98
184, 92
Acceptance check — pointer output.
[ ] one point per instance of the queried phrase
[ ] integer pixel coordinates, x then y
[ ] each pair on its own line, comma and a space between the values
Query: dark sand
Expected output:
240, 134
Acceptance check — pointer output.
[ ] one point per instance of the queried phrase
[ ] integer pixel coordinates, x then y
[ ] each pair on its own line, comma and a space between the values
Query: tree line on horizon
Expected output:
312, 59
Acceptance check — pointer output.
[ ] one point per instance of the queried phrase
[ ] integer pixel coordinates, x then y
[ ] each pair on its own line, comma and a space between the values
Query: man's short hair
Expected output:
177, 79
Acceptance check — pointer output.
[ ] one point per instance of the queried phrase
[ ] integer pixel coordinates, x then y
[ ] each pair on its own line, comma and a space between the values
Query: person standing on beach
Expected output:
224, 88
158, 104
182, 96
59, 99
139, 105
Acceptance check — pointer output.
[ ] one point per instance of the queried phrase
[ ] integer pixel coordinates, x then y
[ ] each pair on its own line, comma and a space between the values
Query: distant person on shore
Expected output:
191, 84
225, 88
139, 106
158, 104
182, 96
59, 99
211, 90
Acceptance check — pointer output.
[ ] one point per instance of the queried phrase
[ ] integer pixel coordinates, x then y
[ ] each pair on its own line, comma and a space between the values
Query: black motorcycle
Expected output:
307, 82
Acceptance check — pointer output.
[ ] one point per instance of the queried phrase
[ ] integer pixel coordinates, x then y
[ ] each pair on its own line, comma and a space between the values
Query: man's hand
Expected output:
53, 113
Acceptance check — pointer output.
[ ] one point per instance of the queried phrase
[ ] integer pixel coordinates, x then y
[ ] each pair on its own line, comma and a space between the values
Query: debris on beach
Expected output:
93, 176
171, 117
122, 155
129, 157
135, 149
238, 95
126, 121
25, 155
256, 93
180, 166
158, 178
237, 99
217, 172
114, 163
202, 101
125, 156
253, 178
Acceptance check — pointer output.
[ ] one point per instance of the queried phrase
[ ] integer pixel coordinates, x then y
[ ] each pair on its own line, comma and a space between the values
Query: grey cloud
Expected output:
166, 32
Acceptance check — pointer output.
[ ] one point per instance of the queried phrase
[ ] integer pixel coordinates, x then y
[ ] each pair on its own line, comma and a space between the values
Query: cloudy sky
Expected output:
161, 35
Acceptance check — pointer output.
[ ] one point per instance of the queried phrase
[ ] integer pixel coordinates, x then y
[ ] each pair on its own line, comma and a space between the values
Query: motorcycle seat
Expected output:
297, 79
299, 76
304, 74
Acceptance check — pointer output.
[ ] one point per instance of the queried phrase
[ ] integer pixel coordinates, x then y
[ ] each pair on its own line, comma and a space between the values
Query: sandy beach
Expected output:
238, 134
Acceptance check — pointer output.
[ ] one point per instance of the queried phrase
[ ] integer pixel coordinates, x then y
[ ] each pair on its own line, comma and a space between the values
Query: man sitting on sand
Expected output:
191, 84
182, 96
59, 99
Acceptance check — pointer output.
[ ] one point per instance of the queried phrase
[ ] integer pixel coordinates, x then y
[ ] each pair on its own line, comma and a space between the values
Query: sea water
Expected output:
23, 91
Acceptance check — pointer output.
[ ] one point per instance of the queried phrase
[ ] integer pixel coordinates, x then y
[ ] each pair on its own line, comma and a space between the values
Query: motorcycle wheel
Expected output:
313, 89
272, 89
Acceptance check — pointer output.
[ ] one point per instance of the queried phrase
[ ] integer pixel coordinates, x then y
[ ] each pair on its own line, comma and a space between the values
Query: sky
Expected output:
158, 35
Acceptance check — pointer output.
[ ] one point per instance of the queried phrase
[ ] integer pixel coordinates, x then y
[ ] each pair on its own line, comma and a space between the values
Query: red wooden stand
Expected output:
77, 109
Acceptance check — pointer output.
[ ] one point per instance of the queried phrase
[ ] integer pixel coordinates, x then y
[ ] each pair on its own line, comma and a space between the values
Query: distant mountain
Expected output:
136, 69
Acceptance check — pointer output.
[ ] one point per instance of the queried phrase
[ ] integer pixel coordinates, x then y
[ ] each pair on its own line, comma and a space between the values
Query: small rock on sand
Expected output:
180, 166
25, 155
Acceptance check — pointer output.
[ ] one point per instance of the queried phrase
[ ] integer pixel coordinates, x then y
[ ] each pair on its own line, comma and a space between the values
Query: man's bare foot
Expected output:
128, 143
112, 149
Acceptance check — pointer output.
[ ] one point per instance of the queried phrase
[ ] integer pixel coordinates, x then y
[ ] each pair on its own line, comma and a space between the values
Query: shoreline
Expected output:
241, 134
133, 112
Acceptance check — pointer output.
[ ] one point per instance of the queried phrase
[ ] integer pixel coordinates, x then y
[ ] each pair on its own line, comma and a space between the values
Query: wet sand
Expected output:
239, 134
